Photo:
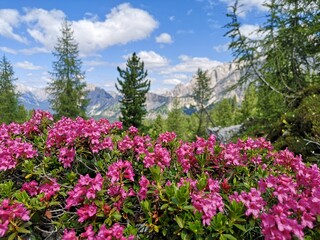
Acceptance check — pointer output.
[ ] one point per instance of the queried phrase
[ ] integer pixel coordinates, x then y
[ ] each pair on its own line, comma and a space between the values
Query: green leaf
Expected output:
164, 206
188, 207
180, 221
185, 235
242, 228
12, 236
22, 230
228, 236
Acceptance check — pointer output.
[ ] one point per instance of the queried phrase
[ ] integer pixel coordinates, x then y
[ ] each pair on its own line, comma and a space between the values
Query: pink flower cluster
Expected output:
86, 187
160, 156
252, 200
48, 189
9, 213
120, 170
113, 233
166, 137
12, 150
187, 152
144, 183
67, 134
207, 201
87, 211
33, 126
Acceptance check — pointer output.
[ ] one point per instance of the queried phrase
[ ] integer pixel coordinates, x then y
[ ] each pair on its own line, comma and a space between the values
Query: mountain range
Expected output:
105, 104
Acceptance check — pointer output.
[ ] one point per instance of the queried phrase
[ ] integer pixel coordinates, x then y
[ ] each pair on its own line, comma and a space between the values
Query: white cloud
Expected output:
27, 65
172, 18
44, 26
164, 38
124, 24
34, 50
221, 47
151, 59
172, 81
25, 51
8, 50
9, 19
251, 31
247, 6
191, 64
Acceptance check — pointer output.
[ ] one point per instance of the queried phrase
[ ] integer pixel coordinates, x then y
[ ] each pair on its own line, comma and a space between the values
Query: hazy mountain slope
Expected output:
104, 104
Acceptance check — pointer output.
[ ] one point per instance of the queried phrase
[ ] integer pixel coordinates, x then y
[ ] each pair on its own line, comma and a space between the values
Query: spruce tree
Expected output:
10, 110
133, 86
201, 95
67, 94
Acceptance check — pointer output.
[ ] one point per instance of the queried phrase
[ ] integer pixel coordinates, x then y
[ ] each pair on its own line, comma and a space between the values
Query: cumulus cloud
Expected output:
122, 25
164, 38
9, 19
172, 81
44, 26
251, 31
191, 64
27, 65
151, 59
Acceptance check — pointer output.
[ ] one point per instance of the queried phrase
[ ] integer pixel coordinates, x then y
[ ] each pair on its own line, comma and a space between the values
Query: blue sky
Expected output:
172, 37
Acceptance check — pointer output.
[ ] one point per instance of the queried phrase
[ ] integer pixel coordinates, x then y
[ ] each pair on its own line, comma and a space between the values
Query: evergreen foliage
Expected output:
201, 95
133, 86
175, 119
10, 110
284, 60
67, 89
249, 104
226, 112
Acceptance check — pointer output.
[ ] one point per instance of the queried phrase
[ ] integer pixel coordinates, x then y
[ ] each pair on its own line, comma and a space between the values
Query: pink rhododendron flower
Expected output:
87, 211
31, 187
120, 169
49, 189
144, 182
160, 156
89, 233
10, 212
69, 235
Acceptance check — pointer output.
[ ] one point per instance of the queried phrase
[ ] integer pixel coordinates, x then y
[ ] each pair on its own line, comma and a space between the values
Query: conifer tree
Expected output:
285, 59
201, 95
10, 110
67, 89
133, 86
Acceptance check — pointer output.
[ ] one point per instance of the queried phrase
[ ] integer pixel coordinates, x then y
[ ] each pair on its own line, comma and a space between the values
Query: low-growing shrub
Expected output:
88, 179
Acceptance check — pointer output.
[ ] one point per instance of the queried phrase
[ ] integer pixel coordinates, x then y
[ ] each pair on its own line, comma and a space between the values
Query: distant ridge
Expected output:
106, 105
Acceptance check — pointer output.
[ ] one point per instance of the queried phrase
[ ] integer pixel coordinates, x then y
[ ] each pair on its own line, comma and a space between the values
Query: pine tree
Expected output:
10, 110
67, 89
285, 61
201, 95
133, 86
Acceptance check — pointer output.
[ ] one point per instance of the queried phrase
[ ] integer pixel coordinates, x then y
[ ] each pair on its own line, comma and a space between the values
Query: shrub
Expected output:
87, 179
